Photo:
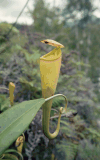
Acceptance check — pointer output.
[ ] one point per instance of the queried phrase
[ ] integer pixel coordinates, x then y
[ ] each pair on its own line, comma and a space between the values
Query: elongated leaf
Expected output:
15, 120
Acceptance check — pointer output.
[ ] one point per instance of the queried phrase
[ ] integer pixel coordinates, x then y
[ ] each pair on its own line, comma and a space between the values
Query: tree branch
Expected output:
68, 115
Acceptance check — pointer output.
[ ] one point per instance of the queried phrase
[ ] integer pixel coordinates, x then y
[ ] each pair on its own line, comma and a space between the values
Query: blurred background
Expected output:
75, 24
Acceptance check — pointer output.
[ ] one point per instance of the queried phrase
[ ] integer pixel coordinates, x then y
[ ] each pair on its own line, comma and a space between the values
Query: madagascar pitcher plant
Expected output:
49, 70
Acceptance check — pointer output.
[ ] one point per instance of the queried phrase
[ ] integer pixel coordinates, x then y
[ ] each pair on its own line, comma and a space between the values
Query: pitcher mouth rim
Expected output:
55, 58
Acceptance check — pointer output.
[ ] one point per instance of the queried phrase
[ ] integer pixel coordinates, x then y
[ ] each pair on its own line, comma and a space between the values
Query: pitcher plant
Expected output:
11, 92
49, 70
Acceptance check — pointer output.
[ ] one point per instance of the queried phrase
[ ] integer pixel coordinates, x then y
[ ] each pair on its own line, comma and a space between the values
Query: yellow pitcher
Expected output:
49, 70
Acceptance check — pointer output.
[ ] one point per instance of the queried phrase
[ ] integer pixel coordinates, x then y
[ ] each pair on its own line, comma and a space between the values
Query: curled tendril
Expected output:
46, 116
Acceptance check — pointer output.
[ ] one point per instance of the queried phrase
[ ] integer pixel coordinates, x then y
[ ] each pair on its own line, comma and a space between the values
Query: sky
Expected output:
10, 9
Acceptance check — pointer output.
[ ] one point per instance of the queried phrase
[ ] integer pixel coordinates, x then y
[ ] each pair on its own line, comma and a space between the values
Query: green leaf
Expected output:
15, 120
9, 157
14, 151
